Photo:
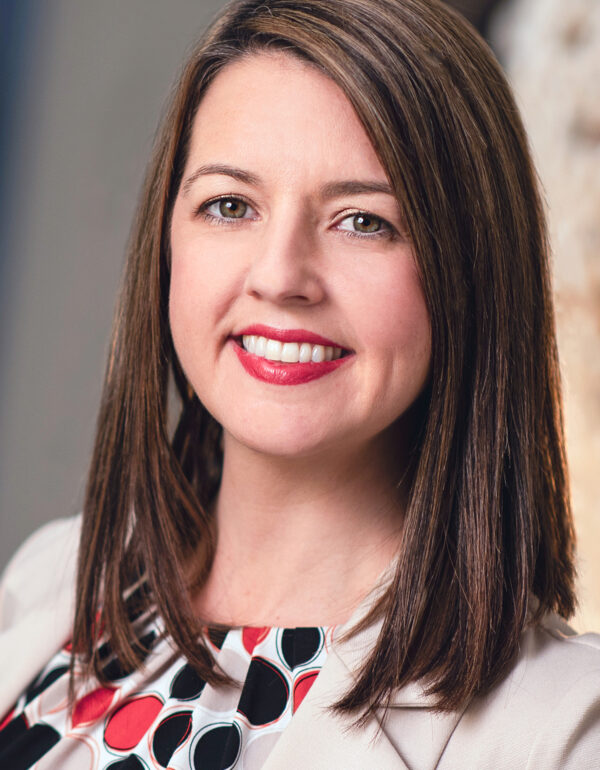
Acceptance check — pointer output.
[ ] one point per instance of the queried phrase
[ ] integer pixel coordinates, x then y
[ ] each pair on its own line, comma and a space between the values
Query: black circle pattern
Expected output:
300, 645
217, 636
114, 669
169, 735
218, 748
132, 762
265, 693
22, 746
264, 699
186, 684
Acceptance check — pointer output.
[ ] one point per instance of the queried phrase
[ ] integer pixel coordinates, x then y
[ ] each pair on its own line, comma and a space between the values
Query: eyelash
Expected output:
388, 230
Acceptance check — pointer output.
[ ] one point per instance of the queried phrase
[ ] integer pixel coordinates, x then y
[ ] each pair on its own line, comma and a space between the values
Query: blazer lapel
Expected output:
320, 740
409, 735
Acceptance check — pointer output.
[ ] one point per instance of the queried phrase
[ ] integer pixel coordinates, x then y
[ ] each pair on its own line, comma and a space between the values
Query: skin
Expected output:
310, 510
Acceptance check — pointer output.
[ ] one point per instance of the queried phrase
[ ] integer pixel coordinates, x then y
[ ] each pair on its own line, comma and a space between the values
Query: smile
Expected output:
287, 356
289, 352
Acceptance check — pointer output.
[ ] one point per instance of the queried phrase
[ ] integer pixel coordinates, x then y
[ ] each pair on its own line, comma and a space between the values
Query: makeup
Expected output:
287, 356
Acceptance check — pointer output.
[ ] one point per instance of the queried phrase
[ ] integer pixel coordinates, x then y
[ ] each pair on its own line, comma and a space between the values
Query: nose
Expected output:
284, 267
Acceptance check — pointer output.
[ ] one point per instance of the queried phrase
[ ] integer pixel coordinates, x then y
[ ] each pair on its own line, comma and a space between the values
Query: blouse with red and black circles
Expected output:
163, 715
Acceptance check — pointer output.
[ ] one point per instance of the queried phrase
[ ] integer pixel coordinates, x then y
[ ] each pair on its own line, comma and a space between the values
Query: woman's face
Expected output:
287, 249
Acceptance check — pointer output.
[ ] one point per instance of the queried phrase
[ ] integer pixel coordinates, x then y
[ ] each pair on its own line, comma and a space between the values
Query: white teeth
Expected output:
260, 347
318, 354
273, 351
305, 352
249, 341
289, 352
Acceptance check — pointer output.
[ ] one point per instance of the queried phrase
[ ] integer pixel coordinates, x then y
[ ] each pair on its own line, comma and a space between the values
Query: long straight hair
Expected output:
488, 523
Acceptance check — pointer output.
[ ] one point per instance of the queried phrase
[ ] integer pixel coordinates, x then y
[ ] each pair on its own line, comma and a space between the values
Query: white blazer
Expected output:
544, 715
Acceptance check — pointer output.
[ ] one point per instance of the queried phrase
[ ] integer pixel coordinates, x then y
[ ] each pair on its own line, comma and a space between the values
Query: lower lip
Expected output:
278, 373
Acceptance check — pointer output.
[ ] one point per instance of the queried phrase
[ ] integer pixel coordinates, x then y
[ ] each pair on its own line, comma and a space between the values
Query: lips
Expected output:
287, 335
287, 356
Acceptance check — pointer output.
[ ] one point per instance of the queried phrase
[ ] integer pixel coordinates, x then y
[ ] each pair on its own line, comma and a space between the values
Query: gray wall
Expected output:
88, 82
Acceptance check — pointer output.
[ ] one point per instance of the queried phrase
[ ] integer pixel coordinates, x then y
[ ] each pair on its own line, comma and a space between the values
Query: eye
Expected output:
224, 208
361, 224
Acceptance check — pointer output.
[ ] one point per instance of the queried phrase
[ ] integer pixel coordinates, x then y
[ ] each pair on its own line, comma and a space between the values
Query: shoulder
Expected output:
44, 565
544, 713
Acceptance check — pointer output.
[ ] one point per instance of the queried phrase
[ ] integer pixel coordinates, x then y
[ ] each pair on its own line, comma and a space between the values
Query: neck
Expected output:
301, 540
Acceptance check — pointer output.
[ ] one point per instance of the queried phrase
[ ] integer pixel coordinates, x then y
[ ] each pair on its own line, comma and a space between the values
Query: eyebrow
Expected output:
220, 168
330, 190
354, 187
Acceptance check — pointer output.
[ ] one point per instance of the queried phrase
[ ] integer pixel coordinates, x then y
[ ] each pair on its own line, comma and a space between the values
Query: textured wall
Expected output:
551, 50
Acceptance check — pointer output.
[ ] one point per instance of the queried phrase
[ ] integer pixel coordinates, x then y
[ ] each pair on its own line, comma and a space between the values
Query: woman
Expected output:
359, 502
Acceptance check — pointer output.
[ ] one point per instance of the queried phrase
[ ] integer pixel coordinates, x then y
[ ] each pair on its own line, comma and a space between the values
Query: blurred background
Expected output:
81, 91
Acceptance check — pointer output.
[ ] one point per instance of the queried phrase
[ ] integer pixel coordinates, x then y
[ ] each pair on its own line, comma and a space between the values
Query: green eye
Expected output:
231, 208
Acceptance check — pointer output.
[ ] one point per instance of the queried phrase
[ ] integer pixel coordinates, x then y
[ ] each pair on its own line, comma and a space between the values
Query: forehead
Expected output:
272, 108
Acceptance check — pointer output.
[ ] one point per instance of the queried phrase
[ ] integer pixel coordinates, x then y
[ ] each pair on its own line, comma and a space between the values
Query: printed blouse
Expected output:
164, 715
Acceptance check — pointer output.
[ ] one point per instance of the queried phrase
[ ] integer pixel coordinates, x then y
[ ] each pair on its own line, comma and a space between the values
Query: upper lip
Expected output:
287, 335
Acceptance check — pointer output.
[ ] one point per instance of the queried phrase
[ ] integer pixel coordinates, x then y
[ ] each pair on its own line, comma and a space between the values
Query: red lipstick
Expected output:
287, 335
282, 373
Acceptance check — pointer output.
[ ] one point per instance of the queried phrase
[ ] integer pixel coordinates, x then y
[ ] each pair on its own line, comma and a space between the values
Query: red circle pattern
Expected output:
253, 635
132, 727
92, 706
128, 725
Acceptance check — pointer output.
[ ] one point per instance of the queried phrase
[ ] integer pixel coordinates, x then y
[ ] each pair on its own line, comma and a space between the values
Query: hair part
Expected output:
488, 523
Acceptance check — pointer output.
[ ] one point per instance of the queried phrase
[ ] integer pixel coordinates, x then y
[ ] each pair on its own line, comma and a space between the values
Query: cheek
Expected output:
190, 308
406, 323
392, 312
202, 286
412, 324
185, 304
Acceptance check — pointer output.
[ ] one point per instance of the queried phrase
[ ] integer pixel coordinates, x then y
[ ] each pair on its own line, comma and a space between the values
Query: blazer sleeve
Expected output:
43, 565
544, 714
571, 737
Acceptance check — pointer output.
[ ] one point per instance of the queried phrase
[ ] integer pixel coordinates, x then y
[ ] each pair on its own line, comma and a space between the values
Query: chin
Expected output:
285, 442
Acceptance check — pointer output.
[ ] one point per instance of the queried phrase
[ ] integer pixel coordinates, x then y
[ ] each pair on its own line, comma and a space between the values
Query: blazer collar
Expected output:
409, 734
354, 651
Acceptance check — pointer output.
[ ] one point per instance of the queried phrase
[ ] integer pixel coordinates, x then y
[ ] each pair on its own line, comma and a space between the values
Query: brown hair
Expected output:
488, 522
